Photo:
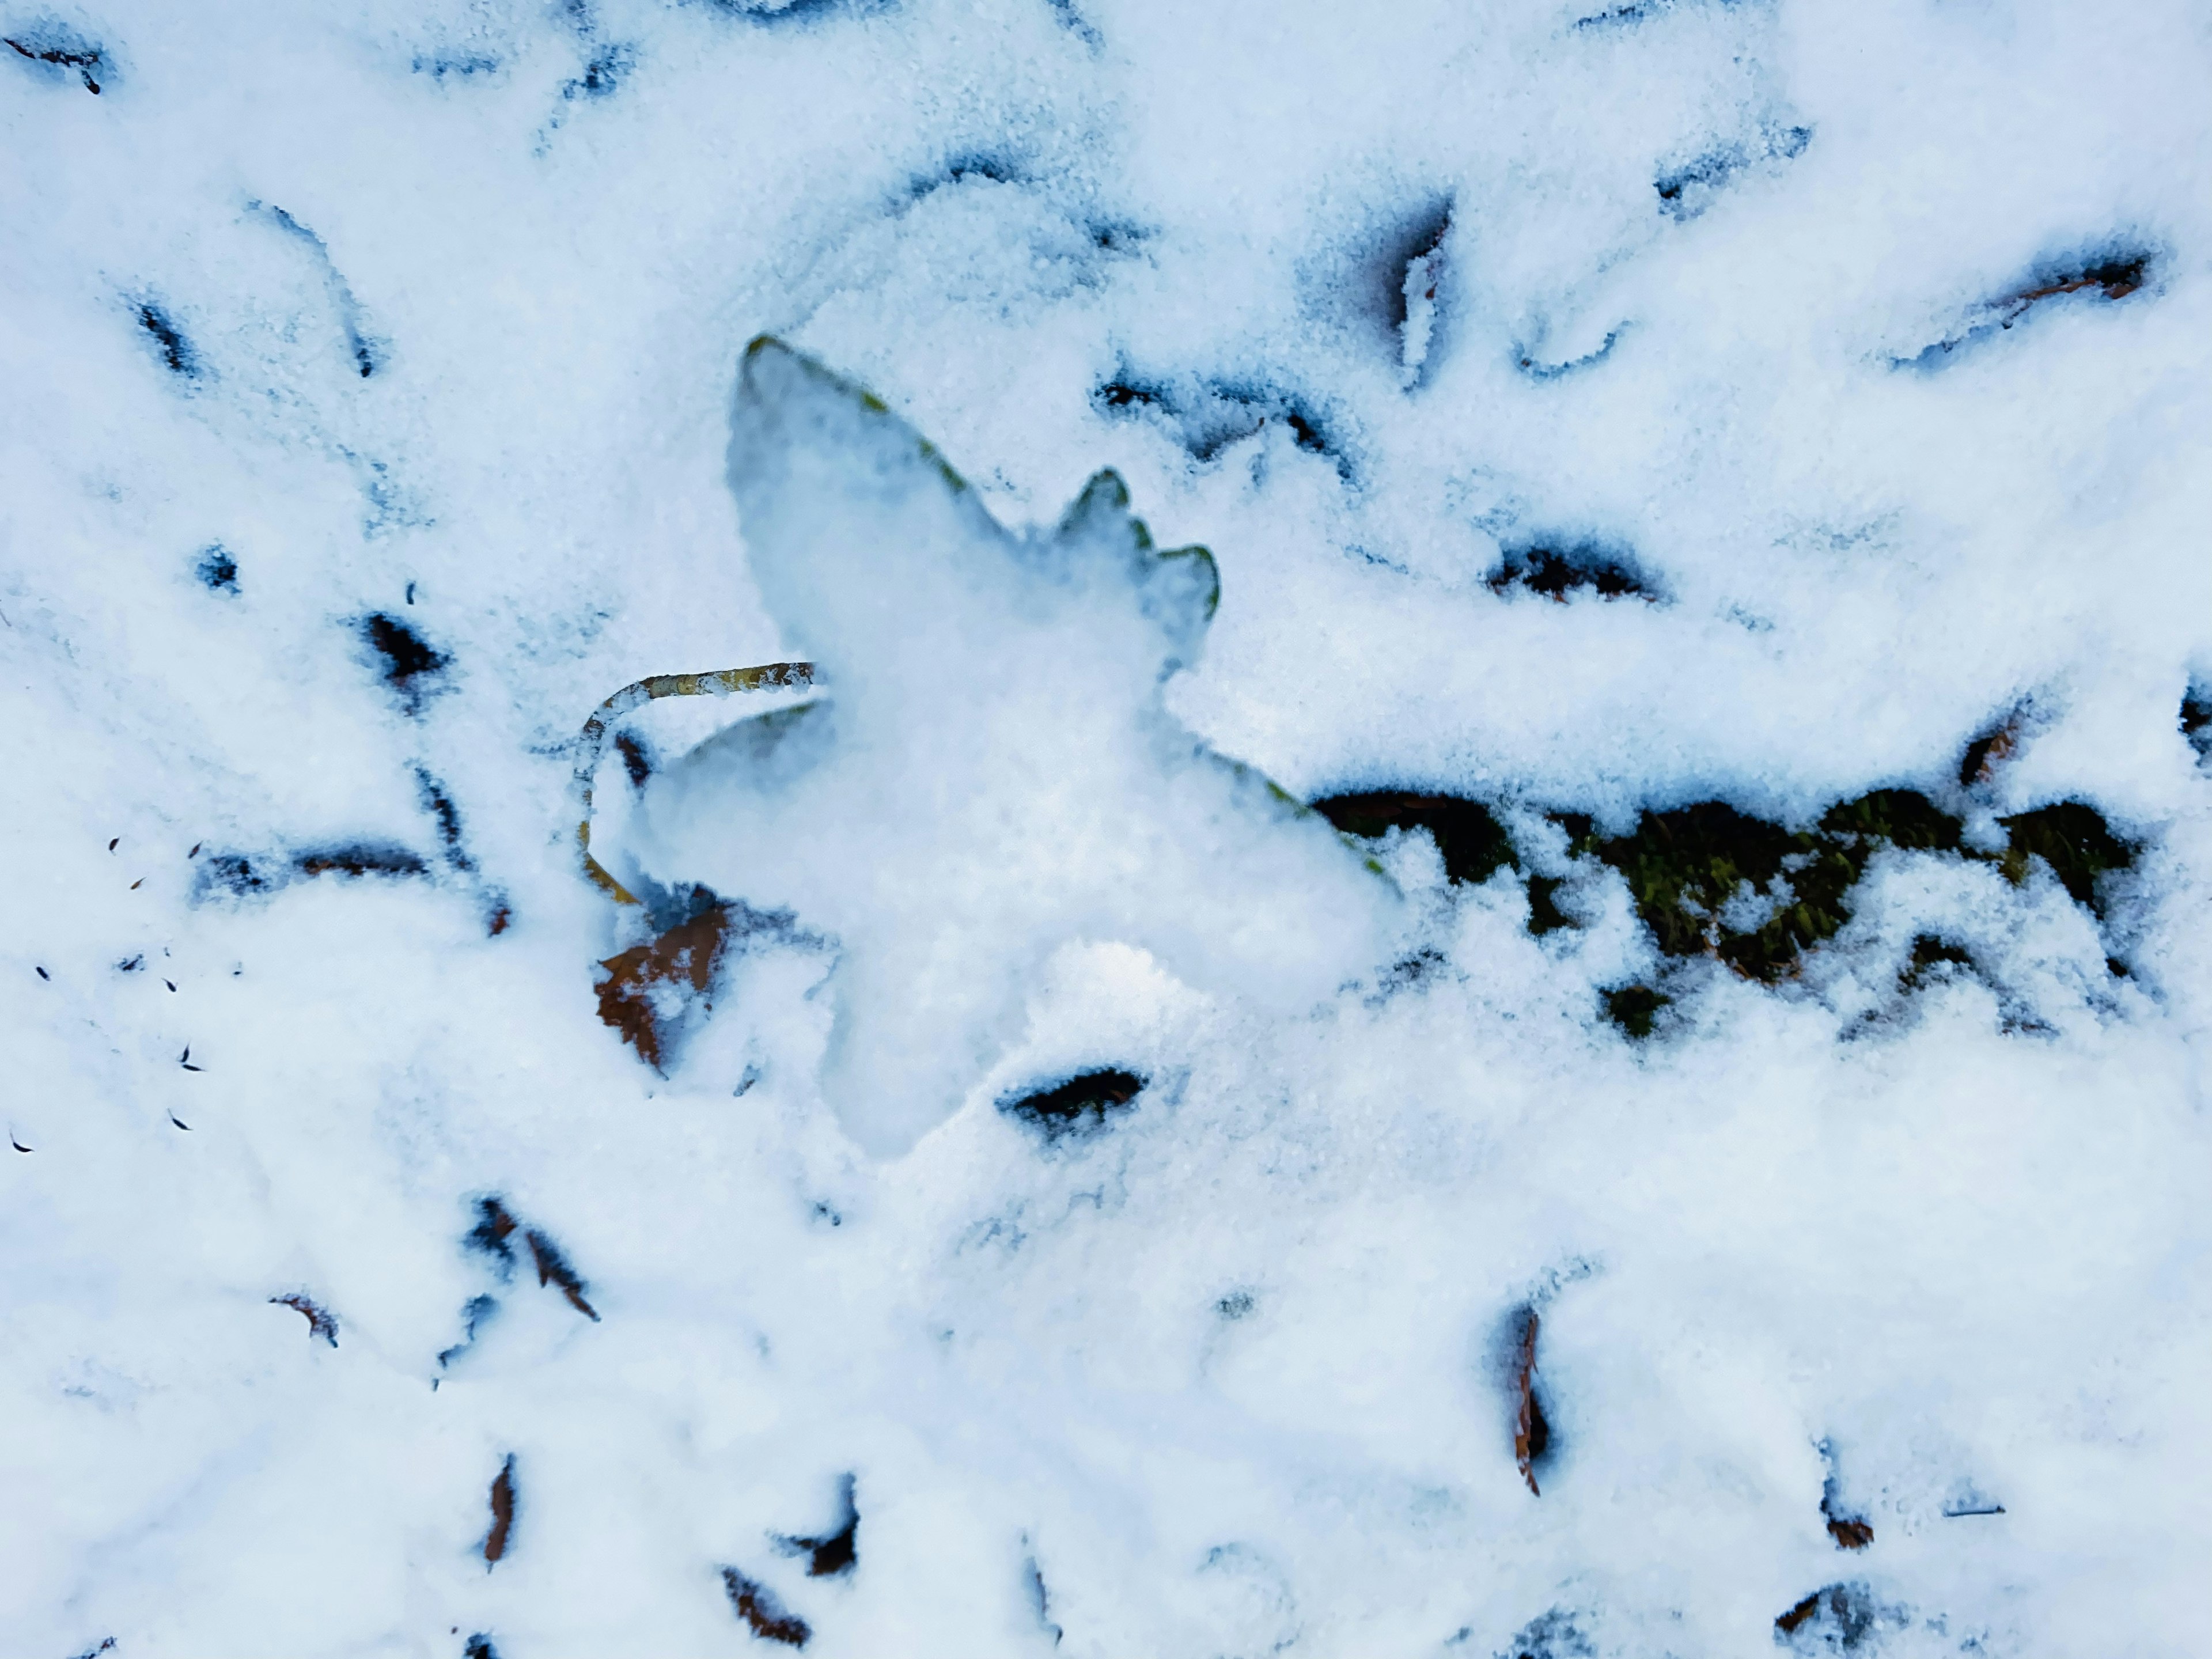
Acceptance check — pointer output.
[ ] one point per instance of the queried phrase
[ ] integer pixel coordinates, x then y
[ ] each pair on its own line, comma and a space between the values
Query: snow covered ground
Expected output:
1738, 1189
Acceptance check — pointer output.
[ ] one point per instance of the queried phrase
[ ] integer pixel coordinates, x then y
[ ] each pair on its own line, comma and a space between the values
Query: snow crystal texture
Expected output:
1483, 933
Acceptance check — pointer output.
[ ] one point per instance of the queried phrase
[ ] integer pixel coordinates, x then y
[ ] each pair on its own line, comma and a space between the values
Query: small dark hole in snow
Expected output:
1467, 834
2196, 720
495, 1227
1931, 956
1634, 1009
1209, 417
410, 665
1558, 572
1082, 1103
232, 874
177, 353
1121, 394
217, 569
1417, 238
834, 1553
1545, 915
602, 75
1552, 1634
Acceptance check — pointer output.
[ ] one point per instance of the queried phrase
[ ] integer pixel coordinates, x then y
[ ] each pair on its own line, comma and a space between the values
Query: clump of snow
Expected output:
992, 772
1097, 1193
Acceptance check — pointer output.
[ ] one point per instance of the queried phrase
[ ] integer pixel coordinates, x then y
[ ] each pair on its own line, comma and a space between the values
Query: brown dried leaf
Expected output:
502, 1512
320, 1322
763, 1614
1850, 1534
635, 993
1531, 1433
1788, 1622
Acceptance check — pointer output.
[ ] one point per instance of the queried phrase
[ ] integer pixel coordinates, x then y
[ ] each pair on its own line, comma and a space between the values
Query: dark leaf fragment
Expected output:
1532, 1434
503, 1513
494, 1226
762, 1613
1844, 1615
320, 1322
553, 1268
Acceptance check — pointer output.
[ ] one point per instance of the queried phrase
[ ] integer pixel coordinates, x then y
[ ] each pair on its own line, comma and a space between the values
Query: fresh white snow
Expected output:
375, 406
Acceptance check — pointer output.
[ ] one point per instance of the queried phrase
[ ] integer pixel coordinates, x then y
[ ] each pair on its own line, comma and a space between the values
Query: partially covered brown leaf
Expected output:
1531, 1433
503, 1513
320, 1322
762, 1613
649, 986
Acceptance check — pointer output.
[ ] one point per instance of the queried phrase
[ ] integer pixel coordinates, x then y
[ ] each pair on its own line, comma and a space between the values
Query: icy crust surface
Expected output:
1692, 1200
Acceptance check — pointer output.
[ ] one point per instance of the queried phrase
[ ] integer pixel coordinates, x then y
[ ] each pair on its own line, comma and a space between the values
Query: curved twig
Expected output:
768, 676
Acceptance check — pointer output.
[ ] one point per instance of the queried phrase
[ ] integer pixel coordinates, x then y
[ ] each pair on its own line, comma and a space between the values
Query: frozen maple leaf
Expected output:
991, 771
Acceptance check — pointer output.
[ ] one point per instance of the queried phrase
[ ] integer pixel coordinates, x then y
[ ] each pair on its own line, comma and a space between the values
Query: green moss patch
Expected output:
2075, 841
1710, 880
